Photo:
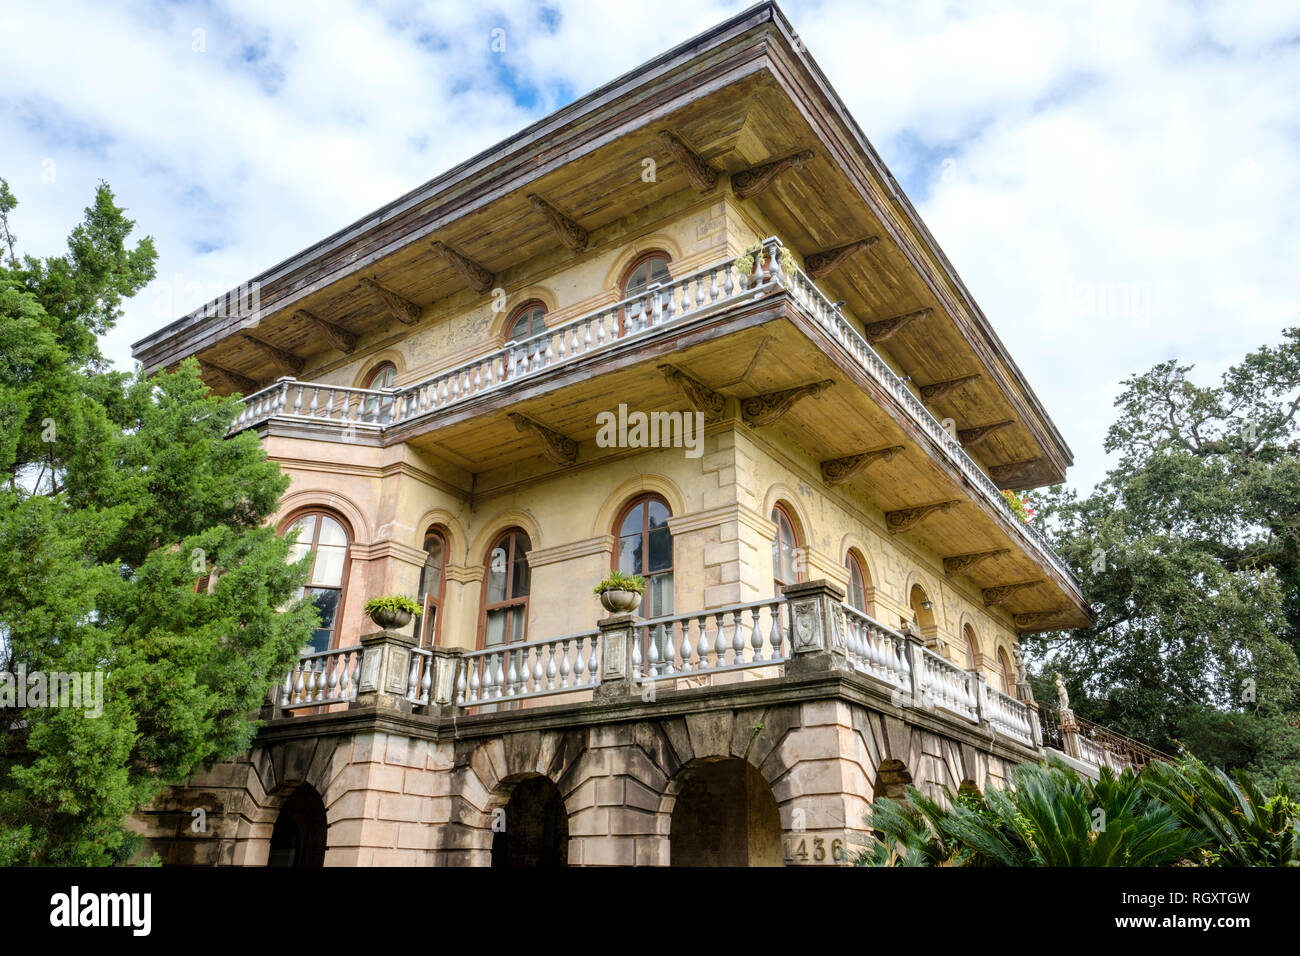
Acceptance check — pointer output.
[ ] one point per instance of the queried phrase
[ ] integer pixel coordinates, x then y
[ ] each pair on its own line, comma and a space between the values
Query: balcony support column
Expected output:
385, 667
617, 632
816, 627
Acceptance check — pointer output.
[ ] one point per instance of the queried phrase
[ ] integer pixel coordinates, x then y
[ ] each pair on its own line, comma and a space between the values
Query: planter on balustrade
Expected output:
620, 601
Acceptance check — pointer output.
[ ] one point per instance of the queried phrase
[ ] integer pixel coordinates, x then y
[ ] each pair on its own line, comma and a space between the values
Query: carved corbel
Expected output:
474, 275
837, 471
702, 176
961, 563
339, 337
752, 181
558, 448
768, 408
1000, 594
232, 380
823, 263
1040, 620
702, 398
969, 437
937, 390
1015, 471
570, 233
905, 519
403, 310
885, 328
286, 362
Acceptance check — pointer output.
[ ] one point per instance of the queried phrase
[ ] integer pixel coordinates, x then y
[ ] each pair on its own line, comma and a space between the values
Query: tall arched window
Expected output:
972, 647
526, 321
859, 583
376, 409
324, 538
648, 269
1008, 673
787, 556
505, 590
645, 547
433, 582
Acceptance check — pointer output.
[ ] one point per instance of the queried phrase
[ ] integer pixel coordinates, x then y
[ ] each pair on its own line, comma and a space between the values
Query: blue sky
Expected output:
1117, 183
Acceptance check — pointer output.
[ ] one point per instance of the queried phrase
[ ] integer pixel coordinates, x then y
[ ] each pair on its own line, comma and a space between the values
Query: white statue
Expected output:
1062, 695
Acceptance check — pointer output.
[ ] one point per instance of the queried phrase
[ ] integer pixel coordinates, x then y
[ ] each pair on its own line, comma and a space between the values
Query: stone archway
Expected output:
298, 837
535, 830
724, 815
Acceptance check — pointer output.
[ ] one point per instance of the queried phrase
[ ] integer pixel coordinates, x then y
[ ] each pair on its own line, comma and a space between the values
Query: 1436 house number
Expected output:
806, 849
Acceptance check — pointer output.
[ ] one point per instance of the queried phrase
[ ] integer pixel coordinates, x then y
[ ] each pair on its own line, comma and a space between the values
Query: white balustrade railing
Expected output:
555, 665
946, 685
1007, 715
876, 650
328, 677
680, 299
736, 637
420, 676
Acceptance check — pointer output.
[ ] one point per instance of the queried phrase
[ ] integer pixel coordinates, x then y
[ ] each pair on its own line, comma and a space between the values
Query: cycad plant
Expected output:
1047, 817
1239, 824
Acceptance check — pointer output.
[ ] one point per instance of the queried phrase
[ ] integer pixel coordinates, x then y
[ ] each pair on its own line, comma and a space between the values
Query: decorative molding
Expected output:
570, 233
339, 337
403, 310
474, 275
937, 390
702, 398
837, 471
999, 594
905, 519
1015, 470
558, 448
961, 563
820, 264
885, 328
285, 361
702, 176
973, 436
1040, 620
601, 544
750, 182
232, 380
770, 407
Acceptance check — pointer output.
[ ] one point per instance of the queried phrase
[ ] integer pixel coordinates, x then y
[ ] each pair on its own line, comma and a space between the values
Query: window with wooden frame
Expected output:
433, 584
645, 547
377, 409
526, 321
1008, 673
859, 582
972, 647
505, 591
323, 536
787, 555
648, 269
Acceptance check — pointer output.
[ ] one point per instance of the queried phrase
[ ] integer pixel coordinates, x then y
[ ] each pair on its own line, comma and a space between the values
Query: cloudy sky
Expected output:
1117, 183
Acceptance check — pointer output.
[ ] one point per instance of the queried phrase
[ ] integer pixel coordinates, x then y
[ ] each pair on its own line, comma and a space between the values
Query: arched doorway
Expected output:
298, 838
536, 827
725, 815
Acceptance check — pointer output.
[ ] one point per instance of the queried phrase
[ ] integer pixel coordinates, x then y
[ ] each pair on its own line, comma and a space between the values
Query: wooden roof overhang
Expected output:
740, 95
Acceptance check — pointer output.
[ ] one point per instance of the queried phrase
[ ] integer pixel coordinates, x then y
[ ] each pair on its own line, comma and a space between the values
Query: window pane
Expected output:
497, 575
495, 631
659, 270
661, 549
632, 523
519, 584
659, 515
306, 527
331, 532
517, 621
629, 555
659, 595
328, 570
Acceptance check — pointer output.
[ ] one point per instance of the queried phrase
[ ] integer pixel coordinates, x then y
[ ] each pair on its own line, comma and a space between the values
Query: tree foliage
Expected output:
1189, 551
119, 494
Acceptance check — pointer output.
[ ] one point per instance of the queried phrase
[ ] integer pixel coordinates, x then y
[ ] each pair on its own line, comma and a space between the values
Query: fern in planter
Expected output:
398, 602
745, 263
619, 581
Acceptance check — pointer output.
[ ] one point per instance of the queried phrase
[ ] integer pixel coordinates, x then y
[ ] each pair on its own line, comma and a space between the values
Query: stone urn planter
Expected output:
619, 601
391, 613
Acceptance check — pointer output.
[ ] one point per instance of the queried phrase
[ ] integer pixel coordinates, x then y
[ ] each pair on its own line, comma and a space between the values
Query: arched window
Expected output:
433, 582
505, 591
376, 409
324, 538
648, 269
787, 556
972, 647
645, 547
923, 612
1008, 673
526, 321
859, 583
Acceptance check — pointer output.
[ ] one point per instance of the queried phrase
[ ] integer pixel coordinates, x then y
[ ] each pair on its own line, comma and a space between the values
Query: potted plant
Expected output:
745, 263
391, 611
620, 593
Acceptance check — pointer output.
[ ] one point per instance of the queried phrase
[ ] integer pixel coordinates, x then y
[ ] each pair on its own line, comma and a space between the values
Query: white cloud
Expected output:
1124, 176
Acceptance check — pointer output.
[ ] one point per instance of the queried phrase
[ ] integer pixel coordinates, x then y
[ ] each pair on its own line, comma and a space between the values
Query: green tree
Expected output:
1189, 551
121, 492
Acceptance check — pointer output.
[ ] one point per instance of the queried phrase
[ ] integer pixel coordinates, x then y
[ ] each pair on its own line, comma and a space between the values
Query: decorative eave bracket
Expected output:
702, 398
905, 519
474, 275
885, 328
770, 407
402, 309
233, 380
703, 177
820, 264
286, 362
750, 182
937, 390
339, 337
572, 235
969, 437
961, 563
838, 471
560, 449
1001, 593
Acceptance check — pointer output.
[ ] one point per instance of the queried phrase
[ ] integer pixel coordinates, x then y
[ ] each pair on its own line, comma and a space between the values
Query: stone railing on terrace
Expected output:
704, 291
1093, 744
